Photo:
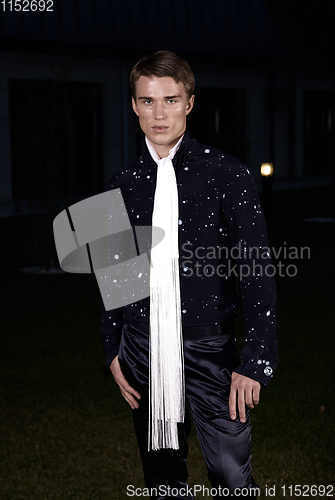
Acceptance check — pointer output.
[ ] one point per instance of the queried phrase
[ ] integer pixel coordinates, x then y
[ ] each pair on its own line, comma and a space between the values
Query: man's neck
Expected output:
163, 150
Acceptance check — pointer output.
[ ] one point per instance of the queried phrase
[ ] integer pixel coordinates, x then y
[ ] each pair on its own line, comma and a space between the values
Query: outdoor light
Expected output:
267, 169
267, 172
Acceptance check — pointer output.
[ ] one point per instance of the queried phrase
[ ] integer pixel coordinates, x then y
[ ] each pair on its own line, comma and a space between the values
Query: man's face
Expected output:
162, 106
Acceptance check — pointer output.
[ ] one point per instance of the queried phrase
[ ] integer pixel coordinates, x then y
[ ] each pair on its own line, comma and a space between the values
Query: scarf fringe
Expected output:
166, 363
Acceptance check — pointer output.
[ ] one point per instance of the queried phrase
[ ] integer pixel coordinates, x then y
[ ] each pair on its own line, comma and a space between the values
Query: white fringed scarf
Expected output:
166, 357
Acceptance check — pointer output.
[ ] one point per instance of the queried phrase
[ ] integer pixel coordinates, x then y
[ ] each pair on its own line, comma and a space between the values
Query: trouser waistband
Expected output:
224, 328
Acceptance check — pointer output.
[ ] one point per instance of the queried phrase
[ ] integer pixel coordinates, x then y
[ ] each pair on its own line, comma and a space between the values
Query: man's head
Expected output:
162, 88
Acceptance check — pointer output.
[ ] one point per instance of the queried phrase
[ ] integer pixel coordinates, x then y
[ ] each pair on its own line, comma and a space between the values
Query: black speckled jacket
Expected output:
223, 251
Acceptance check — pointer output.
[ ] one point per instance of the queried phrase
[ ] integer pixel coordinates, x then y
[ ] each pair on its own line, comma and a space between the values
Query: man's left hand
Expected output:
244, 391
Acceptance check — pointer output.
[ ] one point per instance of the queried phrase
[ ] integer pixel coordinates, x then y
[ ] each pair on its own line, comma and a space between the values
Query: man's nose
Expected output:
159, 111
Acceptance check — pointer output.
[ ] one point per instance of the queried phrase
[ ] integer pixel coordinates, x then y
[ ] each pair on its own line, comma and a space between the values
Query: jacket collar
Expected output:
186, 144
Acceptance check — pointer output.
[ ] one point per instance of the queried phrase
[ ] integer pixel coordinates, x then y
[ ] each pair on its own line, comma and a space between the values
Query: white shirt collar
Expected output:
154, 154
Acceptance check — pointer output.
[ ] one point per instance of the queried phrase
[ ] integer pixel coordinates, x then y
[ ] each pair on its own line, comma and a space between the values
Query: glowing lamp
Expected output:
267, 169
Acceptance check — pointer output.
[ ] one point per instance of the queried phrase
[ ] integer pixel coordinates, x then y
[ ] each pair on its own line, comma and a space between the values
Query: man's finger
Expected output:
241, 405
126, 387
130, 400
232, 402
122, 382
248, 397
256, 393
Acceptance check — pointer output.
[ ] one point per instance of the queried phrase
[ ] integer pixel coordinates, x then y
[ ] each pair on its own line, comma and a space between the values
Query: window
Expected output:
219, 119
55, 131
319, 132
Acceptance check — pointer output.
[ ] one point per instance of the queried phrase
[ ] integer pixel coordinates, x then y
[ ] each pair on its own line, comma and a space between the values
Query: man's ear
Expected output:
133, 103
190, 104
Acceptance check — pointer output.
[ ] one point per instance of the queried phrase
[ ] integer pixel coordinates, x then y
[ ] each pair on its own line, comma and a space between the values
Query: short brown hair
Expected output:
163, 63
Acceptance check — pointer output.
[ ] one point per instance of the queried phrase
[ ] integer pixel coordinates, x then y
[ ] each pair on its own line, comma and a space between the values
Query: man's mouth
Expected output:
157, 128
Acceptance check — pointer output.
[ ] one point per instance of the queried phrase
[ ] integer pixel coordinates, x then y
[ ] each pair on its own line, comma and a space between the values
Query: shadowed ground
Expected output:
67, 432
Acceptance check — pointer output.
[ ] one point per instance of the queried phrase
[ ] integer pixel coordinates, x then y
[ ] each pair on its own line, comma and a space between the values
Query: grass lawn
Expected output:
66, 432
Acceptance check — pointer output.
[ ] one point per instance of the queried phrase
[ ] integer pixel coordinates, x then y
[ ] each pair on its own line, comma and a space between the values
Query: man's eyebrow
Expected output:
166, 97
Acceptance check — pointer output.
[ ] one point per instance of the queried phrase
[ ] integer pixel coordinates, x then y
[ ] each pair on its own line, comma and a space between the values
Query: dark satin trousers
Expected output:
209, 358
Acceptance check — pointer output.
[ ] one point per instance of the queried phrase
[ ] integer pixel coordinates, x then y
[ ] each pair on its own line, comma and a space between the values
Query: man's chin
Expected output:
161, 139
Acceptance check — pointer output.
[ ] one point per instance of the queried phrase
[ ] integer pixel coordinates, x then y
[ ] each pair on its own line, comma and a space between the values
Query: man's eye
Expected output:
147, 101
172, 100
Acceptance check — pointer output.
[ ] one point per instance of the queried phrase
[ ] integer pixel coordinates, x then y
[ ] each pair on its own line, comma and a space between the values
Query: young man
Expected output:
214, 209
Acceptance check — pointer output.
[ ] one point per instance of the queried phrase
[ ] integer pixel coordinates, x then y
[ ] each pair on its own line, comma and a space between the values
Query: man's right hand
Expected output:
126, 390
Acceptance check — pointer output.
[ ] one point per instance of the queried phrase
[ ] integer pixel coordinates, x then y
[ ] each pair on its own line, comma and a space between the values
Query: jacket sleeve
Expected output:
252, 264
111, 322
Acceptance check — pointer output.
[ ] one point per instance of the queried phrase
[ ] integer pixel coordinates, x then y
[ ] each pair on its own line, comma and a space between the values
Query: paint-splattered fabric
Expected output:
224, 256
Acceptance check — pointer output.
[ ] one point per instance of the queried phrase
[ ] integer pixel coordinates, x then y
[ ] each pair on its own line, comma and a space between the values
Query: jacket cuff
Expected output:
112, 353
258, 369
